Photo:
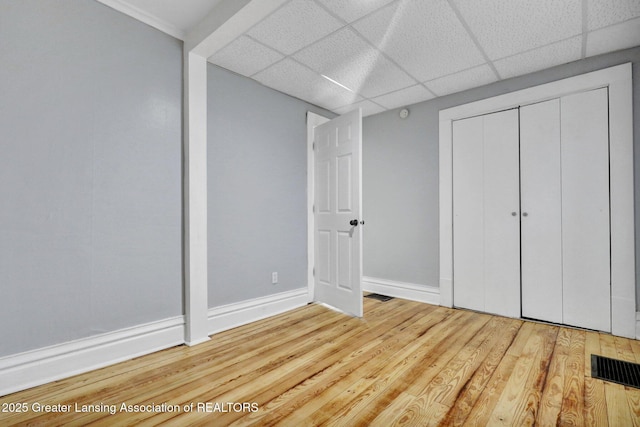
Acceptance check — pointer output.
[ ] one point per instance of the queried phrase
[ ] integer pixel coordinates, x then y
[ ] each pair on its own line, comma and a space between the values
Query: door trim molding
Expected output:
618, 81
313, 120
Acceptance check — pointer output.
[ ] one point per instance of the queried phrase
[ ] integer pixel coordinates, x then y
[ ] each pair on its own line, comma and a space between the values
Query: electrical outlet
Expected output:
274, 277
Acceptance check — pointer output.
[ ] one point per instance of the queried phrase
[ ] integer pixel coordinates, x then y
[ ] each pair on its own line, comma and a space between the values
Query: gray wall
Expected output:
257, 188
400, 174
90, 172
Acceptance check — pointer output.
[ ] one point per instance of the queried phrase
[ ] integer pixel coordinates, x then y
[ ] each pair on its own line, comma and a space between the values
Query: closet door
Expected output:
586, 261
540, 183
486, 227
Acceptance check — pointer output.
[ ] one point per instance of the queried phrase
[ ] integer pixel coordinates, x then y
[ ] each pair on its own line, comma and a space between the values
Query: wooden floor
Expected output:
405, 363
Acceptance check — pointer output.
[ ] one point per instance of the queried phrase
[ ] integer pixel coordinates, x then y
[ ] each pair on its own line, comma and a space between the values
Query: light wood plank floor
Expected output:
405, 363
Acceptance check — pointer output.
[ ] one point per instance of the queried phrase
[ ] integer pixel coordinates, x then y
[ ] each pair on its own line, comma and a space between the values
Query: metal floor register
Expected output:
617, 371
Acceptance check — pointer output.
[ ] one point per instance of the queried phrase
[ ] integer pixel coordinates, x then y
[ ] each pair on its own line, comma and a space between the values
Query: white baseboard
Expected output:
32, 368
410, 291
240, 313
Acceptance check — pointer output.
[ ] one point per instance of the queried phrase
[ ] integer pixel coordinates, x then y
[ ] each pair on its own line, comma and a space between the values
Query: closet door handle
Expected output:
514, 213
525, 214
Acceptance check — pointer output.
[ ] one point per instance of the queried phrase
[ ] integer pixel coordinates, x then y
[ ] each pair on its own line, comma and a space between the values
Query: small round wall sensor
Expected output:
404, 113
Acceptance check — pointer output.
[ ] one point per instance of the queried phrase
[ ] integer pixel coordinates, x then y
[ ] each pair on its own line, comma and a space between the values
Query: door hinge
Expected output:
314, 272
313, 146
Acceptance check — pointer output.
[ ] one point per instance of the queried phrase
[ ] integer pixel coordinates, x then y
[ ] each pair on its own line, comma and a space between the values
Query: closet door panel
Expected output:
486, 236
502, 228
468, 220
540, 182
585, 210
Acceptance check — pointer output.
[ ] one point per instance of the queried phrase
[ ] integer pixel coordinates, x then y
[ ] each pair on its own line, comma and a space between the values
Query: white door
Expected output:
486, 208
586, 261
540, 181
338, 213
565, 210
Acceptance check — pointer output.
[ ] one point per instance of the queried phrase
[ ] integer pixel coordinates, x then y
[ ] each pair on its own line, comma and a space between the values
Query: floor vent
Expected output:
617, 371
379, 297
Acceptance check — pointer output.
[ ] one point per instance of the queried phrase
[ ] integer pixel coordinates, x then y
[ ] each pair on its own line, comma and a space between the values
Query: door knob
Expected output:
353, 222
514, 213
525, 214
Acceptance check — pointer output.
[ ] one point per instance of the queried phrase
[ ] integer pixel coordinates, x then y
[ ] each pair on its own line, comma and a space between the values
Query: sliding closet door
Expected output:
540, 183
486, 228
585, 210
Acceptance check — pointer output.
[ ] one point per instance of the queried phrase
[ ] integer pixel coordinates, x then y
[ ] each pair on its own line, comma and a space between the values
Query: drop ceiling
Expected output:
383, 54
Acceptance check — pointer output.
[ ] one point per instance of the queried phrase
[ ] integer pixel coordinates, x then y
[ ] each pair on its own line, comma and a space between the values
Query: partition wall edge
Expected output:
195, 199
618, 81
228, 20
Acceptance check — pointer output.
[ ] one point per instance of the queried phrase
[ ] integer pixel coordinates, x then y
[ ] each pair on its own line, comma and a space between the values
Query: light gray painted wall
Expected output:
400, 174
90, 173
257, 188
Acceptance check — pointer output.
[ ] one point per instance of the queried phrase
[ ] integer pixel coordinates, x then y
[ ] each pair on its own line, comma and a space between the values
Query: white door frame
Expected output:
313, 120
618, 81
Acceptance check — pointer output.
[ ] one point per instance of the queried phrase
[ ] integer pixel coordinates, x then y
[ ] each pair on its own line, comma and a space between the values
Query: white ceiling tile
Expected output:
467, 79
424, 37
346, 58
353, 10
296, 80
616, 37
507, 27
245, 56
403, 97
541, 58
368, 108
601, 13
295, 25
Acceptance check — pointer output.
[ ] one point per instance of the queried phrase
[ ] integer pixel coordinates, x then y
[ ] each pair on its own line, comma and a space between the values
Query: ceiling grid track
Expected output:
386, 54
474, 38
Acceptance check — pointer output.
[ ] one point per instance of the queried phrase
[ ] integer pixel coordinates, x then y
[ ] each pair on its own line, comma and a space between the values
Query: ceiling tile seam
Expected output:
401, 89
473, 37
319, 75
284, 56
231, 71
346, 25
538, 47
397, 90
318, 41
435, 95
265, 68
366, 41
293, 54
363, 17
246, 32
426, 82
585, 17
387, 57
379, 105
359, 102
330, 12
292, 96
614, 24
327, 9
